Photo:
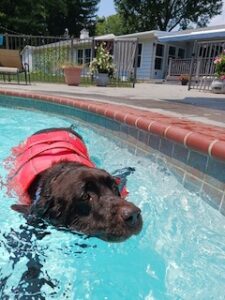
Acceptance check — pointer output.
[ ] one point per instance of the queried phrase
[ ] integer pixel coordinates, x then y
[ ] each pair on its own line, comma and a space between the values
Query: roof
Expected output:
105, 37
144, 34
214, 32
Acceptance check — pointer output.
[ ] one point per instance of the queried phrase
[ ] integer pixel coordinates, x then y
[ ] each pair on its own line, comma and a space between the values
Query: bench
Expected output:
11, 64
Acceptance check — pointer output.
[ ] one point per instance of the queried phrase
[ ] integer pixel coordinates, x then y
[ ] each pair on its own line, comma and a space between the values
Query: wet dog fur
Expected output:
82, 199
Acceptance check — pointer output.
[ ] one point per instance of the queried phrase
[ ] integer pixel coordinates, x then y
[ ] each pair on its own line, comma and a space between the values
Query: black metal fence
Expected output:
46, 55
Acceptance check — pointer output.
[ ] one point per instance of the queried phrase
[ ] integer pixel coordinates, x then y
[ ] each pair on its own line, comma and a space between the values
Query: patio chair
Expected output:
11, 64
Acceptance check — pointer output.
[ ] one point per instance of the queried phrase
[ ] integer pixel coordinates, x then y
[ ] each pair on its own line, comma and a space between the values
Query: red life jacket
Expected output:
39, 152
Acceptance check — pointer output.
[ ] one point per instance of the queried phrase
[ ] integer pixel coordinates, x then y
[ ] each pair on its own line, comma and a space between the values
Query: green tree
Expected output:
112, 24
25, 16
73, 14
48, 16
143, 15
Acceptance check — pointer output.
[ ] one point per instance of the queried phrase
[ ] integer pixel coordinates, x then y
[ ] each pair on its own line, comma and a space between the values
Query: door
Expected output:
159, 60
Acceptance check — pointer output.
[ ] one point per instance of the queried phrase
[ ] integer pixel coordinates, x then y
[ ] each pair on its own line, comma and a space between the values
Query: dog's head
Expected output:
87, 200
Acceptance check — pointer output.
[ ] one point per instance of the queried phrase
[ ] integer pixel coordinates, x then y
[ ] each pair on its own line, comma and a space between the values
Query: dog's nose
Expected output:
130, 215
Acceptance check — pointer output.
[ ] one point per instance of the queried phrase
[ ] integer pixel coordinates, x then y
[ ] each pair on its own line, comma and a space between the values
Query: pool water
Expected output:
180, 253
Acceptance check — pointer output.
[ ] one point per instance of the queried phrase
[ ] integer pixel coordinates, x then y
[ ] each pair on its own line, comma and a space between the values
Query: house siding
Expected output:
147, 71
144, 71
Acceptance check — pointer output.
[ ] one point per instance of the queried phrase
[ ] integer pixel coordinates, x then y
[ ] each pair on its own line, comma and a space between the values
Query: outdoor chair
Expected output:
11, 64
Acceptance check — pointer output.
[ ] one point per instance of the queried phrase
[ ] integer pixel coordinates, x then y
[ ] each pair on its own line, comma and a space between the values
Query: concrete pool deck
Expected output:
193, 118
168, 99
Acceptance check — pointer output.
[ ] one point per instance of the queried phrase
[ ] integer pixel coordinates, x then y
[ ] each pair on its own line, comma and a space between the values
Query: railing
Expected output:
201, 71
45, 56
178, 66
204, 53
203, 75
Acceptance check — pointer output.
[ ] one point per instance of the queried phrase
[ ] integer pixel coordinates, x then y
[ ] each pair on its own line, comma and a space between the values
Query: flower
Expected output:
103, 62
219, 62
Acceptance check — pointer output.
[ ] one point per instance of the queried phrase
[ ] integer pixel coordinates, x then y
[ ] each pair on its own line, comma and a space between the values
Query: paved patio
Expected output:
169, 99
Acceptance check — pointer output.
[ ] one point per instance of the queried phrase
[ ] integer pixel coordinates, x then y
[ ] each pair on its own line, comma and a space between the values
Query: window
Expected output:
139, 55
159, 50
159, 56
172, 52
216, 50
158, 63
80, 56
83, 56
181, 53
87, 56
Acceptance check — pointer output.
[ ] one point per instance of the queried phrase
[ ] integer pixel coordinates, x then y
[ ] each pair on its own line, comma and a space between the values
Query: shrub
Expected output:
220, 66
103, 62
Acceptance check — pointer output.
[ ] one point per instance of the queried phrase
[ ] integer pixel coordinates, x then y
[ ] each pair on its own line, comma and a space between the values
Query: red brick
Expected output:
158, 128
218, 150
176, 134
143, 123
199, 142
131, 119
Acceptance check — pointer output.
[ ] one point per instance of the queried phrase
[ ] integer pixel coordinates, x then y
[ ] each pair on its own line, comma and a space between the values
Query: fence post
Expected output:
6, 40
192, 65
198, 68
135, 64
92, 55
92, 48
71, 50
169, 67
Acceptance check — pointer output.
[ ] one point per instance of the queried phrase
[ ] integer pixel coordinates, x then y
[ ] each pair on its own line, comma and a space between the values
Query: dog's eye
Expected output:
115, 189
86, 197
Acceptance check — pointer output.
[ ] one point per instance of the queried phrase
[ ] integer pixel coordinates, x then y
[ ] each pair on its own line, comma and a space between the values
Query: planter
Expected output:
72, 75
102, 79
218, 86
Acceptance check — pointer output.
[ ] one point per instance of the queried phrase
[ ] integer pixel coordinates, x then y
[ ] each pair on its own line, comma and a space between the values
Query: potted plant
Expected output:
102, 66
184, 78
72, 73
218, 84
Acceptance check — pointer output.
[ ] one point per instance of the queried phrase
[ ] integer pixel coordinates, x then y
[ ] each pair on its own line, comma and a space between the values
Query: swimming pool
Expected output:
178, 255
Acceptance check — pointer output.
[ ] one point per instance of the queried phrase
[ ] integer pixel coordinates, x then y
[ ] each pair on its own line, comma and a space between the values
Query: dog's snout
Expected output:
130, 215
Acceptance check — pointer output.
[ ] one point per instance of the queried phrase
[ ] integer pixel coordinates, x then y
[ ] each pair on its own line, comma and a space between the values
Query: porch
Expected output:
198, 65
190, 66
178, 66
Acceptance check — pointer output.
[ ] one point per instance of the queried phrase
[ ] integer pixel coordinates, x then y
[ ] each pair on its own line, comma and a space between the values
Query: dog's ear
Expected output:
23, 209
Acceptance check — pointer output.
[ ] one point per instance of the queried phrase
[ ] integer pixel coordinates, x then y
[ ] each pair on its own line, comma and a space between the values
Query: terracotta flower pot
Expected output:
72, 75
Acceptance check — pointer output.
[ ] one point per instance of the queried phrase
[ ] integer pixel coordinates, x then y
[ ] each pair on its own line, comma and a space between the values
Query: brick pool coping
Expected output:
207, 139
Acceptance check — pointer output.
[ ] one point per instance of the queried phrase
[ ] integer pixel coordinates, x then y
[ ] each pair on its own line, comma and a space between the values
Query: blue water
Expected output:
180, 253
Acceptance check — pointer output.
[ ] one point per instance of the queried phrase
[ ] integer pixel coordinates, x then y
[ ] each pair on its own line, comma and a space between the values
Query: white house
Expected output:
160, 54
158, 49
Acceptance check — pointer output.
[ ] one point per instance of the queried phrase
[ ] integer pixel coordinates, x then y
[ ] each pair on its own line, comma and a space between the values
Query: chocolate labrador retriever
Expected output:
56, 181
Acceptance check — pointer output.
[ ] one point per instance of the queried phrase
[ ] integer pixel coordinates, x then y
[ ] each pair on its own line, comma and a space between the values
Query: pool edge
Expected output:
165, 126
188, 154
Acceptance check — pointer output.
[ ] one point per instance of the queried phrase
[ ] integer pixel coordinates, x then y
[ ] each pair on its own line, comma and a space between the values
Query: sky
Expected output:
218, 20
106, 8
